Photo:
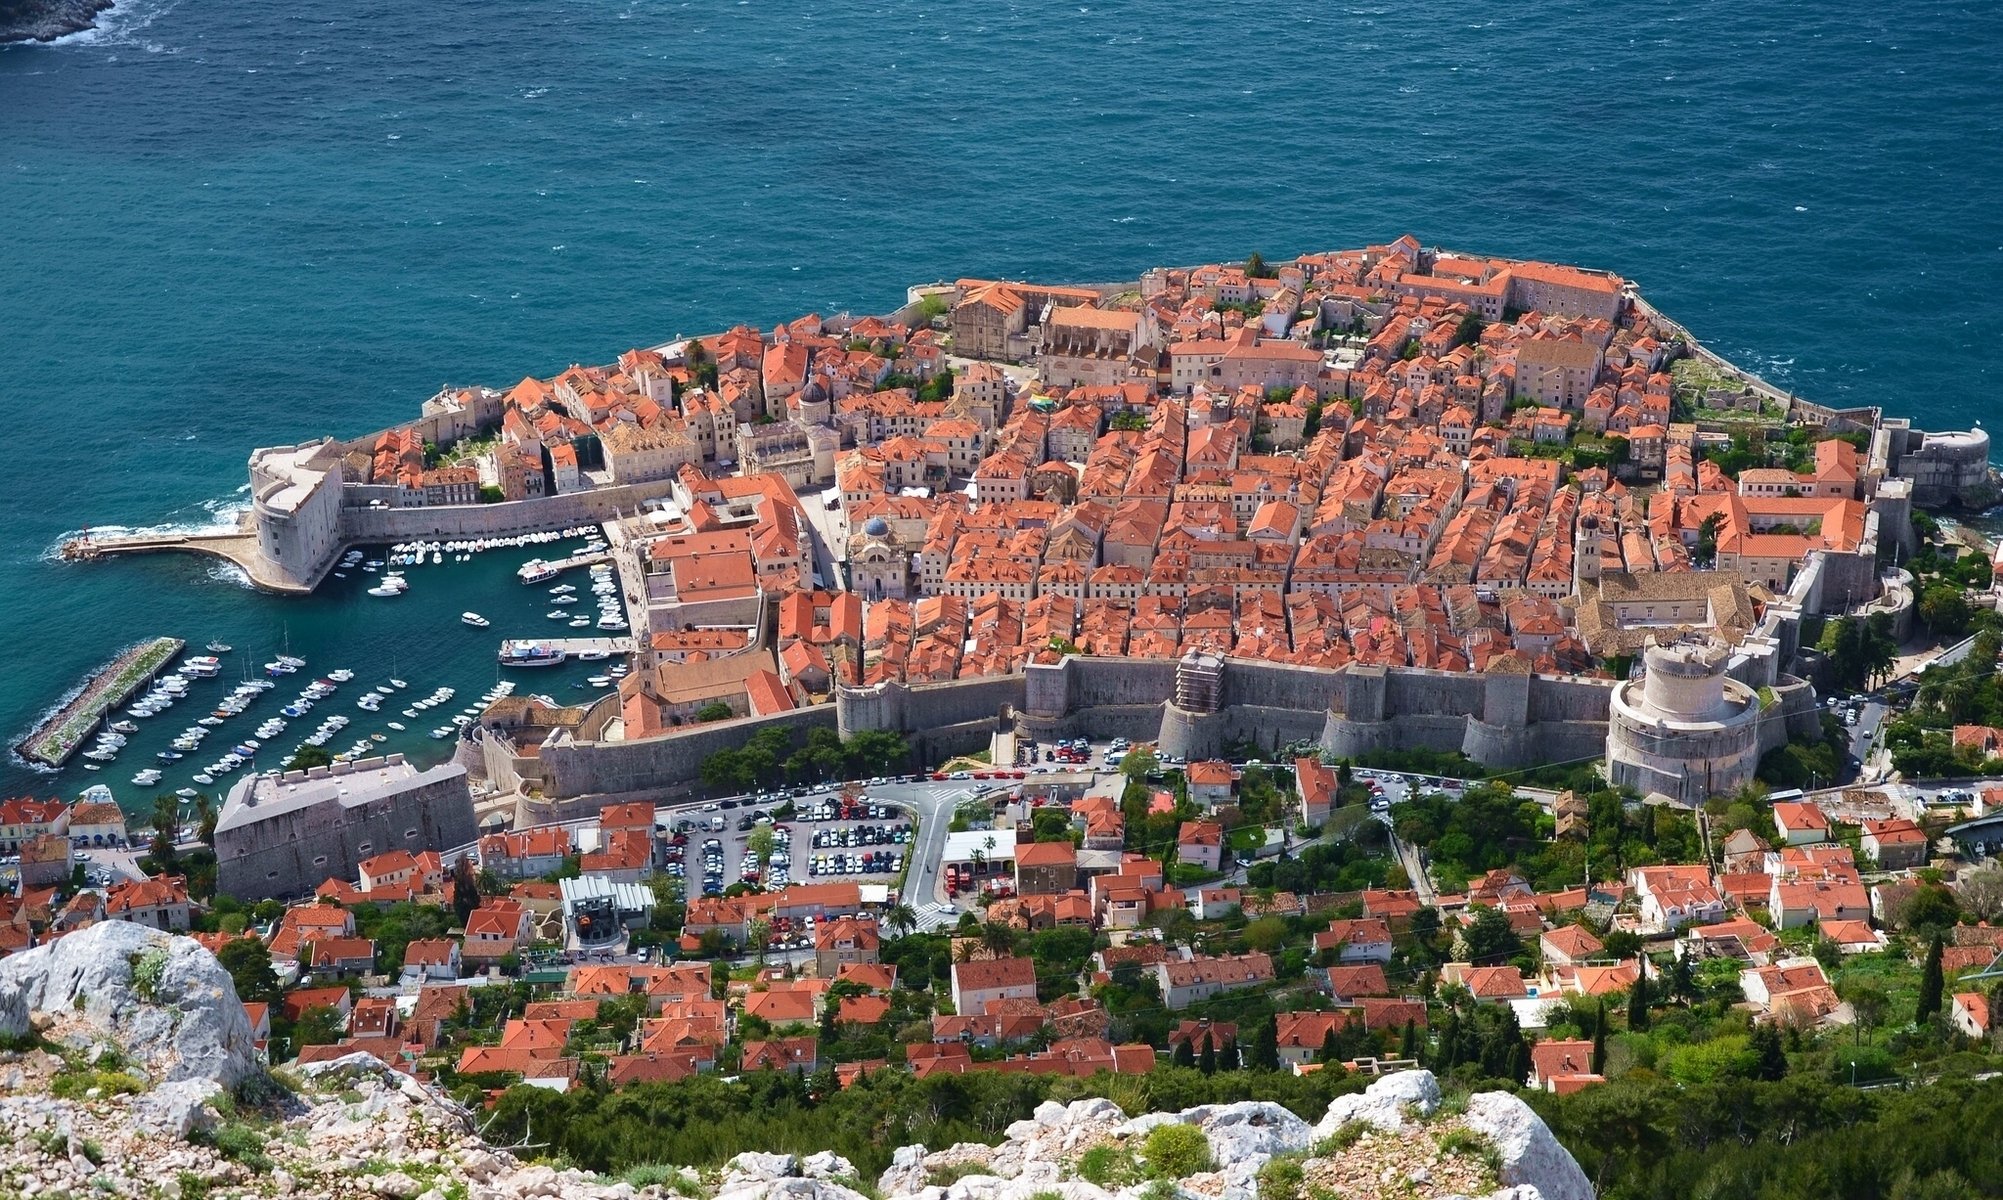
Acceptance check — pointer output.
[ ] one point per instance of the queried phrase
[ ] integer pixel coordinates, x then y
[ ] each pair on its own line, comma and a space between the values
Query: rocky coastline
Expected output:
47, 20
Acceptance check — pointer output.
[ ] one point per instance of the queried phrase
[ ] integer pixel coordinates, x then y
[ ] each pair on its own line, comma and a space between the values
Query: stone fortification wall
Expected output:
291, 853
910, 709
573, 768
360, 524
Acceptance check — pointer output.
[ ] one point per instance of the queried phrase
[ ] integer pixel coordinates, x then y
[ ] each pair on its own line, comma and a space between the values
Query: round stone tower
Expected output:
1684, 729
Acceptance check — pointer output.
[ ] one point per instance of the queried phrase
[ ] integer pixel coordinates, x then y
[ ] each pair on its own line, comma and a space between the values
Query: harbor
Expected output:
59, 736
350, 626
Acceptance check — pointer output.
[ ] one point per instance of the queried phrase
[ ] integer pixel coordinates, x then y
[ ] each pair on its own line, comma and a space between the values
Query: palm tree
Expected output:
997, 937
902, 919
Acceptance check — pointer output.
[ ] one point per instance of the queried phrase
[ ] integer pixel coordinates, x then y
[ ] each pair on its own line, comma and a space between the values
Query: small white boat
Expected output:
475, 620
441, 732
599, 681
398, 684
396, 725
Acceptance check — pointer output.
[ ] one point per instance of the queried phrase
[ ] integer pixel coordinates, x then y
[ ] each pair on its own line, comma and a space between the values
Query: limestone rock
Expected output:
1249, 1131
163, 1000
1383, 1104
179, 1108
827, 1165
753, 1165
1530, 1154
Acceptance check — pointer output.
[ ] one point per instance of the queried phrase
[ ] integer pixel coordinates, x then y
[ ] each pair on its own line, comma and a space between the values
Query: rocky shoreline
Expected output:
47, 20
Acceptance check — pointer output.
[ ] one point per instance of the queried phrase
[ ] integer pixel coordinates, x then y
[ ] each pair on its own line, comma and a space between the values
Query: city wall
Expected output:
363, 524
573, 768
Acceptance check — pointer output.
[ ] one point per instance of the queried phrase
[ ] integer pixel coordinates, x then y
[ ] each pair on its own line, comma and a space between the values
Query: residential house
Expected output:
1800, 824
1358, 940
1562, 1066
1897, 843
845, 941
977, 983
430, 959
1184, 983
1201, 845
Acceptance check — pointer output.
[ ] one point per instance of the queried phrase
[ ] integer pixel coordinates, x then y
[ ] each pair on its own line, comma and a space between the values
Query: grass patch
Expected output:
240, 1144
147, 971
1341, 1140
947, 1176
1467, 1144
665, 1175
1108, 1166
77, 1085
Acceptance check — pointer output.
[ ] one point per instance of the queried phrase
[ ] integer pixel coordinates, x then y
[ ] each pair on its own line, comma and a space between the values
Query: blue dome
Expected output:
876, 527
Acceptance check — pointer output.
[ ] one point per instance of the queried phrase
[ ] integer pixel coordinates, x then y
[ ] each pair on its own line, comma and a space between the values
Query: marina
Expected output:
62, 733
341, 635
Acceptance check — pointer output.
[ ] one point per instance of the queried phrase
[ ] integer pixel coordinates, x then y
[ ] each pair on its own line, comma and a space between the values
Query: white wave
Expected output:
230, 573
121, 24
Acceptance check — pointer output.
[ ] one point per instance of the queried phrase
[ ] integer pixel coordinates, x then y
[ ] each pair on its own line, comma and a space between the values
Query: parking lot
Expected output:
823, 839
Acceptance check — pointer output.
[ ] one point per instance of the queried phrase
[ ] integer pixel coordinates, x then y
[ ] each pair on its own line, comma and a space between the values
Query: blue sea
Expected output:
229, 224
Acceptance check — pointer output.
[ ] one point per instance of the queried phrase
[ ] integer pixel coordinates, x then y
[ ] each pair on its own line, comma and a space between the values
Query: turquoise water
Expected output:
230, 223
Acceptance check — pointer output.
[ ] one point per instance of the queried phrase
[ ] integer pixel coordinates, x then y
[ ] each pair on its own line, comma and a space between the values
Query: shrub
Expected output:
1176, 1151
147, 971
1281, 1179
241, 1144
665, 1175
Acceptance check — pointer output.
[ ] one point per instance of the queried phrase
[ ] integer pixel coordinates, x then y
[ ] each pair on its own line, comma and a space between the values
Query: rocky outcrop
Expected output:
1391, 1139
1531, 1156
1385, 1104
162, 1001
47, 20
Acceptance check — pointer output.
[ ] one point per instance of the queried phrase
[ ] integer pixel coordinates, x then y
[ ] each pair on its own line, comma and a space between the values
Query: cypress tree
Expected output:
1931, 983
1185, 1056
1600, 1039
1208, 1063
1266, 1046
1772, 1056
1408, 1045
1637, 1006
1329, 1053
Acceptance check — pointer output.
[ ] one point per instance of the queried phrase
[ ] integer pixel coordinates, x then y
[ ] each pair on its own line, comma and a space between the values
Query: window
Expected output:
365, 848
409, 834
320, 861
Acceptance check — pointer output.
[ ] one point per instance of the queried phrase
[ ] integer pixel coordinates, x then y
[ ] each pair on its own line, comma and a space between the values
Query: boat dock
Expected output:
576, 560
576, 646
53, 741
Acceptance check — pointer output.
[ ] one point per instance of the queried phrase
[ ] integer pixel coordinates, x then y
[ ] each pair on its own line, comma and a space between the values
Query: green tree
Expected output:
465, 890
1766, 1044
1256, 268
759, 843
1932, 983
715, 710
248, 962
1469, 331
1600, 1039
1207, 1061
1944, 610
1637, 1006
318, 1026
308, 757
1185, 1054
902, 919
1266, 1045
1139, 764
1491, 940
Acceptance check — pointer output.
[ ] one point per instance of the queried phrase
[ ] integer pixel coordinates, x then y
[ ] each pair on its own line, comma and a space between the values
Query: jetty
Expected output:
563, 564
52, 742
237, 547
572, 647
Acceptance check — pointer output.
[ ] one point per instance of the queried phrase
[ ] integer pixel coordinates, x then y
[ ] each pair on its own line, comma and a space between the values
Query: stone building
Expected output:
284, 834
1684, 729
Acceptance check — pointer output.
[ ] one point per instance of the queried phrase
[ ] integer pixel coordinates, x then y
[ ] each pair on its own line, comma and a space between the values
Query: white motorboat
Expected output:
396, 725
475, 620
